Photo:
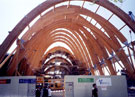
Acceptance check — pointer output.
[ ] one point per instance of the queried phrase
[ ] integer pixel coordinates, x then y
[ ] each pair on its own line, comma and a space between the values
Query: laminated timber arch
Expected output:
68, 17
58, 48
66, 68
76, 43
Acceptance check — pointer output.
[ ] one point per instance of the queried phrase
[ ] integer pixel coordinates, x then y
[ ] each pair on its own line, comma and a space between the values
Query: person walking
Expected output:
94, 91
45, 92
49, 92
38, 92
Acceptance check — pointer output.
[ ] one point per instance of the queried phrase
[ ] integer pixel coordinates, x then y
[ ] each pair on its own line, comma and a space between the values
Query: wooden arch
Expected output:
47, 4
97, 43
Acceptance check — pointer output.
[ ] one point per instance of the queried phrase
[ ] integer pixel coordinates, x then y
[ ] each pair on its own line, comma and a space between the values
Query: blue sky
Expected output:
12, 11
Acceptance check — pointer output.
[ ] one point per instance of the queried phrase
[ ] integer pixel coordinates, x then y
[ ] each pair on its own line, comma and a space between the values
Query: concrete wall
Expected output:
108, 86
21, 86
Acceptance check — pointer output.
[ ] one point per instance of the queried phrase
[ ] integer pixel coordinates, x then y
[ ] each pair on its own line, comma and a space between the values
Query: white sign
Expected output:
103, 88
104, 82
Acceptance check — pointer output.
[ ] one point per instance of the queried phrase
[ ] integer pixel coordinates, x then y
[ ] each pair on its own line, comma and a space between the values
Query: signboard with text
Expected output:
85, 80
104, 82
27, 81
5, 81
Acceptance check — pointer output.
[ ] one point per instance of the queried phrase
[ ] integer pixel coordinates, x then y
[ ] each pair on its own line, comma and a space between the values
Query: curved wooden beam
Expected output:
39, 9
114, 44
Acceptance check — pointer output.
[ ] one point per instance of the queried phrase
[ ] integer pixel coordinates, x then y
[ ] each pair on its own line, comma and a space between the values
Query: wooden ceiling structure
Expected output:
67, 24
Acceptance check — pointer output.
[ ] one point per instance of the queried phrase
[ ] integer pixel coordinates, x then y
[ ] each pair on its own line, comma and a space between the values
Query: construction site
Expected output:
69, 45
